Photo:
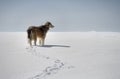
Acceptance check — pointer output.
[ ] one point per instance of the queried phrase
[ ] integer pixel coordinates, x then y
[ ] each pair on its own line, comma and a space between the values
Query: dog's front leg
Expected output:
42, 42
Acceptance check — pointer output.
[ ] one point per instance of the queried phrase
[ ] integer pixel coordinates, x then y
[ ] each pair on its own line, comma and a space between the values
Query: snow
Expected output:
66, 55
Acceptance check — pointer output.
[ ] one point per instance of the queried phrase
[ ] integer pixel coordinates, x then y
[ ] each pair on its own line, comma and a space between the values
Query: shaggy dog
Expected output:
39, 32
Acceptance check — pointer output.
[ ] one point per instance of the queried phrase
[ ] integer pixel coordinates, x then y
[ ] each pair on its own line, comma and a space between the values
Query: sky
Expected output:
65, 15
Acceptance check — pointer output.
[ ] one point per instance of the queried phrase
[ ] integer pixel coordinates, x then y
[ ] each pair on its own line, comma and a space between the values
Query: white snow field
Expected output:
66, 55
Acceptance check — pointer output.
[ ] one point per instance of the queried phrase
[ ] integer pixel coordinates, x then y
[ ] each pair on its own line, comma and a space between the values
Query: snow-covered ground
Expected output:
66, 55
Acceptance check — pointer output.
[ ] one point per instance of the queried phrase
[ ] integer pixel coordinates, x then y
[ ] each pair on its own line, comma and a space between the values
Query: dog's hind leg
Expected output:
30, 42
35, 40
34, 37
39, 41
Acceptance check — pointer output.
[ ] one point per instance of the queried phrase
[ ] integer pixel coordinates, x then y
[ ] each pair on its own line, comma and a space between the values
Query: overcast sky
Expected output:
66, 15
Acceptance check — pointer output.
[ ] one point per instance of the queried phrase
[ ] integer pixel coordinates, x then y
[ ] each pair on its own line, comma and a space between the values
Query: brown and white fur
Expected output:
39, 32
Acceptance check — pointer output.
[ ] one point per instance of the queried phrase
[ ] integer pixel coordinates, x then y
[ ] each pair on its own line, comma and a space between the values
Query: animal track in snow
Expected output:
49, 70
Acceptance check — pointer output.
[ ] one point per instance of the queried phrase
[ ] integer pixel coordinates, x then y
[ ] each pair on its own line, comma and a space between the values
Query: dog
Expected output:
39, 32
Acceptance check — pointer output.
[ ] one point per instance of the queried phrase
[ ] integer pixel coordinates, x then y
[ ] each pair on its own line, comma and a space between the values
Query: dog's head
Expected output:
49, 24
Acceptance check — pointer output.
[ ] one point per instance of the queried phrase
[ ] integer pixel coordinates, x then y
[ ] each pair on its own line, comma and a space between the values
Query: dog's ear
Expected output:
48, 23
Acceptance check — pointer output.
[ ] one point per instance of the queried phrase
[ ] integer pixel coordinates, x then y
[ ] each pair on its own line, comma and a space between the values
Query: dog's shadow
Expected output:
49, 46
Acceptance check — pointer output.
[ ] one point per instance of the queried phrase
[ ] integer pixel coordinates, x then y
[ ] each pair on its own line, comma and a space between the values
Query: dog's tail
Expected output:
29, 33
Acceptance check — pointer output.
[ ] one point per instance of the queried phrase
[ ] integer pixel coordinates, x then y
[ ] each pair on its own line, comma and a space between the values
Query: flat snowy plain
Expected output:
66, 55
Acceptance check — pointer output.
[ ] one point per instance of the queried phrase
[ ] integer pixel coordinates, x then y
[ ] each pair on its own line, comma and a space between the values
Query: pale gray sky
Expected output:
66, 15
